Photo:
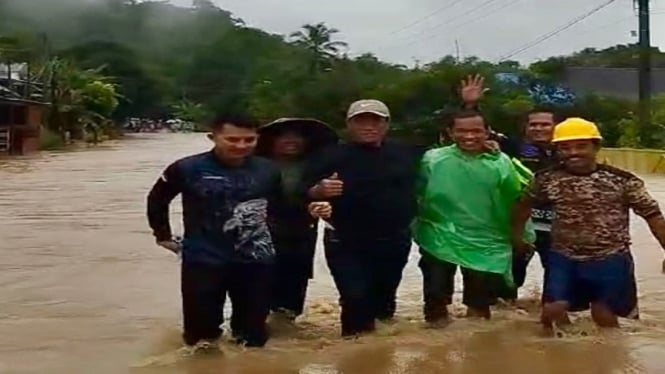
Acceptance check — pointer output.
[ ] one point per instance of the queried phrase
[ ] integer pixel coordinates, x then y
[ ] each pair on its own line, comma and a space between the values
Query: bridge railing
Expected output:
640, 161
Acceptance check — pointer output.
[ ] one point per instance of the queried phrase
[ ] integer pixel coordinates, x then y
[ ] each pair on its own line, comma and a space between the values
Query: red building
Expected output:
21, 110
20, 125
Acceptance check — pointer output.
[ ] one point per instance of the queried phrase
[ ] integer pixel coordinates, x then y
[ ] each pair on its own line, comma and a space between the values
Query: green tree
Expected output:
204, 58
79, 99
142, 94
318, 40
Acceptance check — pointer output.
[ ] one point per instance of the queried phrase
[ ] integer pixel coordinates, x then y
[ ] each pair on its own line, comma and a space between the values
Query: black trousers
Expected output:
294, 267
367, 273
479, 288
204, 288
521, 262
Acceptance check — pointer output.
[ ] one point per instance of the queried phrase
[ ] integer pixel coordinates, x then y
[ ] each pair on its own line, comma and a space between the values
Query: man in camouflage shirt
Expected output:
590, 261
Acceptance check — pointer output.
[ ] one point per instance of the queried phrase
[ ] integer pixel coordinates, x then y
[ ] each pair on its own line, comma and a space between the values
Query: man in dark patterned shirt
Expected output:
536, 152
590, 262
227, 248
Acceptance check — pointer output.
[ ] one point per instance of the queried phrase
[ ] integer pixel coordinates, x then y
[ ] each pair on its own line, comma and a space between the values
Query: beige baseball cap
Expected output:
368, 106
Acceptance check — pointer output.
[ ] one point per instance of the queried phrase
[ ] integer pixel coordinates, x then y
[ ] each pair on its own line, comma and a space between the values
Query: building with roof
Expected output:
21, 110
618, 82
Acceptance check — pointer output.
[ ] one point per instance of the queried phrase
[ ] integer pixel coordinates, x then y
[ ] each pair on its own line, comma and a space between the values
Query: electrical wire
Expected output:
555, 32
491, 13
415, 40
425, 18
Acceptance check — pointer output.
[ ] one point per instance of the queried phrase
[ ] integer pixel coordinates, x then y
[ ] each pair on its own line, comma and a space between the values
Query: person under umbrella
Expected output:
288, 142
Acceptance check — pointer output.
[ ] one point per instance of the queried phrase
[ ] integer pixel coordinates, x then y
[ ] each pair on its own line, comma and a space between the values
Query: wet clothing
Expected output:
204, 288
227, 246
224, 208
293, 229
610, 280
294, 267
294, 236
289, 216
521, 262
465, 204
479, 291
590, 258
367, 272
379, 186
592, 211
369, 243
535, 157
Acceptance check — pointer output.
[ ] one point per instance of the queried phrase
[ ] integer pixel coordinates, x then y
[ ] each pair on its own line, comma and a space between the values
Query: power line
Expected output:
447, 20
557, 31
430, 15
425, 18
485, 3
614, 23
491, 13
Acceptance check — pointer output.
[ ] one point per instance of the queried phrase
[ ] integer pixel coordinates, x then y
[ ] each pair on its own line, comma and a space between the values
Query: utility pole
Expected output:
457, 53
644, 73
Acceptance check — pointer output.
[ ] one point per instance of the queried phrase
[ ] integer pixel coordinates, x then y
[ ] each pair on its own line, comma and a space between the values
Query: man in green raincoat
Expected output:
465, 199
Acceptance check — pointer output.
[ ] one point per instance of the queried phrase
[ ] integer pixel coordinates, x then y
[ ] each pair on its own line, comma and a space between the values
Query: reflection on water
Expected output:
83, 289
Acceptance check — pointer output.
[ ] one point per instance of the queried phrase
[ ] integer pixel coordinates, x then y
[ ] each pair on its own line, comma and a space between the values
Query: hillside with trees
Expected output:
152, 59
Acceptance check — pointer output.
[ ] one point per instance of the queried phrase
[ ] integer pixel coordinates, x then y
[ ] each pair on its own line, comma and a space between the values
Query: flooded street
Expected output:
84, 289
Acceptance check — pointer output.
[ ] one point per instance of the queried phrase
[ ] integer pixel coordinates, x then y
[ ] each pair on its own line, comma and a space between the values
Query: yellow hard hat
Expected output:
576, 129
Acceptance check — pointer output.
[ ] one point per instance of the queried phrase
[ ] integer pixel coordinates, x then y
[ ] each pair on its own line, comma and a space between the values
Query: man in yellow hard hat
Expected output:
590, 261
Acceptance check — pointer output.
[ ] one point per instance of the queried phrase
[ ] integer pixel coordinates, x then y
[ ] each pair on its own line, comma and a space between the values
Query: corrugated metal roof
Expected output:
618, 82
21, 101
9, 95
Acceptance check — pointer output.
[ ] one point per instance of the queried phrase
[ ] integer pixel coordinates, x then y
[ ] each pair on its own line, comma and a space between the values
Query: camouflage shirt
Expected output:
591, 212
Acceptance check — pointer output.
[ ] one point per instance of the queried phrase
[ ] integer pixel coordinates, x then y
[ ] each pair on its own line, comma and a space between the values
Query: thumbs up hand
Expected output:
328, 187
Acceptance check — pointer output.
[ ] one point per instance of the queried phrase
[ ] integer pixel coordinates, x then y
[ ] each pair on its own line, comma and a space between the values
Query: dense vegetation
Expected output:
125, 58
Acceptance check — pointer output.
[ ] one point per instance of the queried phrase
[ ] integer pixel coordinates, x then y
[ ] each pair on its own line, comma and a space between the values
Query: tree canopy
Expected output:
165, 60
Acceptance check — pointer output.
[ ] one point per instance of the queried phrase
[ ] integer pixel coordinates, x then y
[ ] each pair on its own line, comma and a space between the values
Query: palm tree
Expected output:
317, 39
78, 98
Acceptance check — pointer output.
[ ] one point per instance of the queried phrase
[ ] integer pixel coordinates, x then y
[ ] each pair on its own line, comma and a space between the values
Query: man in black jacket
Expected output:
370, 183
227, 245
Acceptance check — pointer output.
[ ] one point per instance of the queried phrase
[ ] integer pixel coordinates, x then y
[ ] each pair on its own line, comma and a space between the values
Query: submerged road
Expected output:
83, 289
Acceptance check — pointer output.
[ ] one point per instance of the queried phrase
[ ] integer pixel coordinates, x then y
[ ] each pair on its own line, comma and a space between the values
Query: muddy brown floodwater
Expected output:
83, 289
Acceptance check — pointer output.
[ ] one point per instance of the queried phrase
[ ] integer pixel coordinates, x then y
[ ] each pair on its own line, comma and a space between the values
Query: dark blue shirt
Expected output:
536, 158
225, 208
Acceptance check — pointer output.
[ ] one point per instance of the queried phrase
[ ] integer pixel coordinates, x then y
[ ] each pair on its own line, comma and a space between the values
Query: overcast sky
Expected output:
404, 31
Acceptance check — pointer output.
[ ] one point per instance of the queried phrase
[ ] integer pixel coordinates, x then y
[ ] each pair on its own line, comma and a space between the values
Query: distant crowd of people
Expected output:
150, 125
484, 204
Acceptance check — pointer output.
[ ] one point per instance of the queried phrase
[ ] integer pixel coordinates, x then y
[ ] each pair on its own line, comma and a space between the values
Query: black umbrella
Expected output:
316, 133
